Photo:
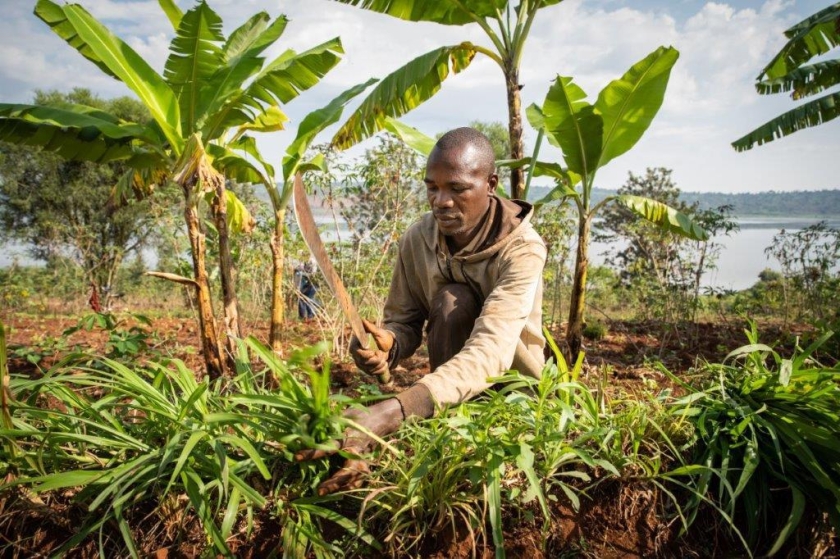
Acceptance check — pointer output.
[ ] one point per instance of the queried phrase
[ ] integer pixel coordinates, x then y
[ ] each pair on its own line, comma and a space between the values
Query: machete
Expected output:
309, 230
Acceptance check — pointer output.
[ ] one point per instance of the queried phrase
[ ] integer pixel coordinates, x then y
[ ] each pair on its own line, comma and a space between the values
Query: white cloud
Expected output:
710, 100
126, 19
154, 49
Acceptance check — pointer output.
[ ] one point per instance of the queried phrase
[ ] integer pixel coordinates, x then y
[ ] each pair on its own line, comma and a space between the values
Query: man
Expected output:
472, 270
306, 290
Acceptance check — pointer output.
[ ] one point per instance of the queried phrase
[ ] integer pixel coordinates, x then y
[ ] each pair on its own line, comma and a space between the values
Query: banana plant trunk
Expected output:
574, 334
517, 151
277, 301
233, 329
210, 347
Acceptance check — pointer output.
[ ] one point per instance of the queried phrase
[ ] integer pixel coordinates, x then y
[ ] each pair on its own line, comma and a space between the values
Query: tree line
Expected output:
821, 203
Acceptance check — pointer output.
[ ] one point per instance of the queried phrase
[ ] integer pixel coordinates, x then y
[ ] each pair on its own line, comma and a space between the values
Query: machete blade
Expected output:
309, 230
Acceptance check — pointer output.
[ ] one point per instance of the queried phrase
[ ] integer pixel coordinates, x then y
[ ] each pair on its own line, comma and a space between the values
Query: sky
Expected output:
710, 102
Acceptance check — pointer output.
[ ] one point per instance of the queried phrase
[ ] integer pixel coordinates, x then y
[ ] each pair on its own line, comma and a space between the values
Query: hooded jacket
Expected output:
503, 266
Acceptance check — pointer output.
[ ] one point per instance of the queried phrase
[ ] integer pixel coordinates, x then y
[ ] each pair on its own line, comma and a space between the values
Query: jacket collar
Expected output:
504, 222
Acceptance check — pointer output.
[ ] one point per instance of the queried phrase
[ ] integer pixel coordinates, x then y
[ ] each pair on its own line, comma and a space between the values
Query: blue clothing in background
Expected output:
306, 291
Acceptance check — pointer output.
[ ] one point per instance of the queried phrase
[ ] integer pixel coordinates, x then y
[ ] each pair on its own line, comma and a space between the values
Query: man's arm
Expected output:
491, 347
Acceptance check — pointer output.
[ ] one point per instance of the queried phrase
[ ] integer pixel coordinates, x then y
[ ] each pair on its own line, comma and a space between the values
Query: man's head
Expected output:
460, 178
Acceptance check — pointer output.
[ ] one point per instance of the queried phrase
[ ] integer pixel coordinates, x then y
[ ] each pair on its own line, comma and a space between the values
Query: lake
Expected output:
742, 257
741, 260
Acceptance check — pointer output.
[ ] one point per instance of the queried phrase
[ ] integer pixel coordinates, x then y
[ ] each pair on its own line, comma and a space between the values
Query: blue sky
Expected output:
710, 101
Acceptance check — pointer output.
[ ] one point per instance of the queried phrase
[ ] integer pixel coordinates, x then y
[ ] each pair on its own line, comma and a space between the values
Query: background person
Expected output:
304, 274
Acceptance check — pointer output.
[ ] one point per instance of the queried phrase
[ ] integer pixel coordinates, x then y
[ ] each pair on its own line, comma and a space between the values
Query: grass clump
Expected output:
125, 439
511, 453
767, 441
595, 331
129, 443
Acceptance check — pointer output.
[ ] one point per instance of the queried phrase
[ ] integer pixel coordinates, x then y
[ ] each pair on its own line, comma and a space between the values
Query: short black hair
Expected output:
466, 136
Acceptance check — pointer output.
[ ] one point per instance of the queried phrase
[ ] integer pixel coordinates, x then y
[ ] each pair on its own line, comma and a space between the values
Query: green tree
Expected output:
499, 138
665, 268
62, 208
505, 24
385, 198
788, 71
809, 260
213, 93
555, 224
497, 134
590, 136
650, 251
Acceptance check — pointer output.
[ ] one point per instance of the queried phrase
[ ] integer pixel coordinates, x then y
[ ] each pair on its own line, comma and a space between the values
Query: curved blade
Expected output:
309, 230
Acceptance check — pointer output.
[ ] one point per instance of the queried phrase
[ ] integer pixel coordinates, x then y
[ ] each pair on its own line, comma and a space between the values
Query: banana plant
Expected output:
214, 91
590, 136
279, 81
788, 71
505, 22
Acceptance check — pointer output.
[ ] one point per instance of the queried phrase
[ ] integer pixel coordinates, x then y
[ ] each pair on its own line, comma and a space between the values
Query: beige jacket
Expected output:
508, 277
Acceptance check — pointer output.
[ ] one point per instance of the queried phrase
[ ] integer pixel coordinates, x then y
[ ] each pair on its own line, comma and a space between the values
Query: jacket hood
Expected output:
509, 219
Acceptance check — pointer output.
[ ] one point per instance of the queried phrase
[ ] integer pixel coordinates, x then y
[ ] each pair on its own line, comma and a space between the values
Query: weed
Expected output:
768, 440
127, 436
595, 331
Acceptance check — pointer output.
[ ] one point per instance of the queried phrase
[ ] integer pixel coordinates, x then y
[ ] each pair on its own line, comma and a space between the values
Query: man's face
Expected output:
458, 188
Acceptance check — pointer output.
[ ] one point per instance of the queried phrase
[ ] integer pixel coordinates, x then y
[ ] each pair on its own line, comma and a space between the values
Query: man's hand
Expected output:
380, 419
373, 361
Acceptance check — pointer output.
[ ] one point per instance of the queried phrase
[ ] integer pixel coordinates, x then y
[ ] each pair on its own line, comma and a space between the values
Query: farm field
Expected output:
627, 512
398, 279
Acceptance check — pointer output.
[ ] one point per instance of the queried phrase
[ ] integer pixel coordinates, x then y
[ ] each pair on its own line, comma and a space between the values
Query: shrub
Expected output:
768, 440
595, 331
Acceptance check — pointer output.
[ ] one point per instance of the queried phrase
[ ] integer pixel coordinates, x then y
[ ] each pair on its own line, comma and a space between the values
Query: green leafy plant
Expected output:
788, 71
124, 344
121, 437
40, 349
768, 440
590, 136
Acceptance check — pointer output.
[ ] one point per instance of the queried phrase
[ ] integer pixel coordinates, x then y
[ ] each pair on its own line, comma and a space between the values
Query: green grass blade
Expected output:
796, 511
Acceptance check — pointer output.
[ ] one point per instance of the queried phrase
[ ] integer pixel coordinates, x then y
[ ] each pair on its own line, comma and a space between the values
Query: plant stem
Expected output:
207, 326
574, 334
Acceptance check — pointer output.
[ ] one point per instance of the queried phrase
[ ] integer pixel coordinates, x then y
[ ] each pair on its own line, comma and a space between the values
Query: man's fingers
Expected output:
370, 327
379, 368
367, 354
311, 454
351, 476
383, 338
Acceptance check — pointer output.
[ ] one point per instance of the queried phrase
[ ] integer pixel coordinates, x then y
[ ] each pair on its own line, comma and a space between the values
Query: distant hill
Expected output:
817, 203
820, 203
